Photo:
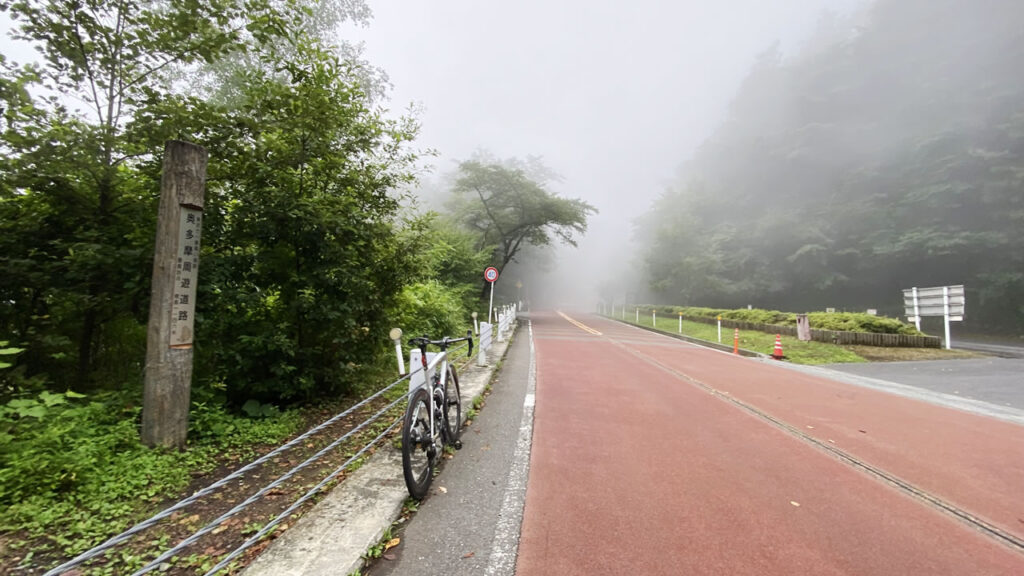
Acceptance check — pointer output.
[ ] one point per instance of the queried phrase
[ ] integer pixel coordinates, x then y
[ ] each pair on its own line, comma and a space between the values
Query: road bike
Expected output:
433, 418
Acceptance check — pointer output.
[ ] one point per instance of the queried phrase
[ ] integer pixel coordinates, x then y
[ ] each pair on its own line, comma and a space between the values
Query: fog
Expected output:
613, 96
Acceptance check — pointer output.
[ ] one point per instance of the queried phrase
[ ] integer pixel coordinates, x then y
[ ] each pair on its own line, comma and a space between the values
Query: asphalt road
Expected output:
469, 523
995, 380
653, 456
1014, 350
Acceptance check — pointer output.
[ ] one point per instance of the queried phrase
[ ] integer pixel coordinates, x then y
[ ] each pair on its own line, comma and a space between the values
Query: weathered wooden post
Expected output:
168, 378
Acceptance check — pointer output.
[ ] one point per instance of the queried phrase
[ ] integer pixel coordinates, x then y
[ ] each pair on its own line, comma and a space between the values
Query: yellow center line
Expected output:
579, 325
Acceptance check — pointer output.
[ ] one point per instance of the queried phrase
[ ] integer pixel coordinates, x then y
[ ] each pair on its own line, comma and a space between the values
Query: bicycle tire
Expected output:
418, 451
453, 399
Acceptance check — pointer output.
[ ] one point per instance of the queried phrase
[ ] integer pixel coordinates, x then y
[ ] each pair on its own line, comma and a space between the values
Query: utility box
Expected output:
803, 328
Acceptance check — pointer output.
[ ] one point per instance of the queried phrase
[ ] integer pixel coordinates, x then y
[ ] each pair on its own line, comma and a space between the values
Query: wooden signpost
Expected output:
168, 377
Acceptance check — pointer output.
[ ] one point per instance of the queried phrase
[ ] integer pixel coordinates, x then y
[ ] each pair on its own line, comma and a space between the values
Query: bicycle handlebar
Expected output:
422, 342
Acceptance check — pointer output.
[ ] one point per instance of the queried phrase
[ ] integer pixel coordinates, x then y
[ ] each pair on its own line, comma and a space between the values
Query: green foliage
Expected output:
887, 155
72, 470
431, 308
303, 261
796, 351
839, 321
508, 205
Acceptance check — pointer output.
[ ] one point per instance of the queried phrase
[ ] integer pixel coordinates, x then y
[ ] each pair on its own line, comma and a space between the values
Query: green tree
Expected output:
74, 194
888, 155
508, 206
303, 261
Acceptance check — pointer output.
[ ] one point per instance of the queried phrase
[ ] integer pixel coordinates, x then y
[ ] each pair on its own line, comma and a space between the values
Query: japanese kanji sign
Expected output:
186, 274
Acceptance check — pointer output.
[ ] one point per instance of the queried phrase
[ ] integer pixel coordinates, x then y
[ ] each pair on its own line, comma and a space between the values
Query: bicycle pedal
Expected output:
457, 444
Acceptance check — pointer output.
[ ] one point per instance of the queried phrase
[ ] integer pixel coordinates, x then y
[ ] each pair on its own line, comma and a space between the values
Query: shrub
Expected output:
431, 308
838, 321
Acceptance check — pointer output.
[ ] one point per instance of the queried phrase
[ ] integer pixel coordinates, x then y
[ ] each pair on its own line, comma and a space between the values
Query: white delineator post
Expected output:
945, 314
485, 343
396, 337
719, 329
638, 315
654, 318
680, 322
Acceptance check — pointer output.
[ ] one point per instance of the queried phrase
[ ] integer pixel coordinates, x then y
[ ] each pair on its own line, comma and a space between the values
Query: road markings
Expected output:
579, 325
990, 530
510, 518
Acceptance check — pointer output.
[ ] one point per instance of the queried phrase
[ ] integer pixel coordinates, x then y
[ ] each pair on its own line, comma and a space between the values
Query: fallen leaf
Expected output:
797, 504
468, 555
442, 489
392, 543
388, 556
863, 431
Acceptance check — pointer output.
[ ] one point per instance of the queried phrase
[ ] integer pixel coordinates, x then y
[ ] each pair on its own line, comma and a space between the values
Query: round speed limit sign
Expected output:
491, 274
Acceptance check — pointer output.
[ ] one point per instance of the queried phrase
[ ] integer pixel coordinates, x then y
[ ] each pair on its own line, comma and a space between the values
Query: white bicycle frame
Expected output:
441, 358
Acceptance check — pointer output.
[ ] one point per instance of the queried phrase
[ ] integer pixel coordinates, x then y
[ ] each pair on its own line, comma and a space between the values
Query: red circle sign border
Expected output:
487, 274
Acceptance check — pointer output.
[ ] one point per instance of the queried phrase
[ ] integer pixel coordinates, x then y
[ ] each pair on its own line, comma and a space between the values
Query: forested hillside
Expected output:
889, 153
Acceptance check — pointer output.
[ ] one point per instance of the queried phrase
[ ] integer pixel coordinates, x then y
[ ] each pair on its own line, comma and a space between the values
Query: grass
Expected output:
795, 351
798, 352
885, 354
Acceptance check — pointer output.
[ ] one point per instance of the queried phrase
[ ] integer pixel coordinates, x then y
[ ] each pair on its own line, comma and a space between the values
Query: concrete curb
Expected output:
330, 539
691, 339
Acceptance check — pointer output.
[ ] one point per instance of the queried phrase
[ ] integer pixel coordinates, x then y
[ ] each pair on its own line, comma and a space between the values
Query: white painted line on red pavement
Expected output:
510, 518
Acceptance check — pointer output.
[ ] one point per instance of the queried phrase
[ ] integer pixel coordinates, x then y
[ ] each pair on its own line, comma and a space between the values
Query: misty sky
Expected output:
613, 95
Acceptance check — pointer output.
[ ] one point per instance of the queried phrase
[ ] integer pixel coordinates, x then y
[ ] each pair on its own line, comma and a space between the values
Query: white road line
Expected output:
506, 534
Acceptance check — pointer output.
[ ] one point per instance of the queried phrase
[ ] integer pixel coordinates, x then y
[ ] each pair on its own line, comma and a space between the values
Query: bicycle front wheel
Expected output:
418, 449
453, 406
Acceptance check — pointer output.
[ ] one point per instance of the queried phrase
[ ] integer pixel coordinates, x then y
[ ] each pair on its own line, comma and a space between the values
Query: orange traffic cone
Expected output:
777, 354
736, 341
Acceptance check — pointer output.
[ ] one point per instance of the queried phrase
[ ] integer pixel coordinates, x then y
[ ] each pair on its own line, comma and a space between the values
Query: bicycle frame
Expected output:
441, 358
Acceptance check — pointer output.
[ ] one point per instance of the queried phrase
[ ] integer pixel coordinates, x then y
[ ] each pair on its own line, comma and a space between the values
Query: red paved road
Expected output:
637, 470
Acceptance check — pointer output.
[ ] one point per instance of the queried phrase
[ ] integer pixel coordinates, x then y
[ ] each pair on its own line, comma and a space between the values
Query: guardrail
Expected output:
829, 336
100, 550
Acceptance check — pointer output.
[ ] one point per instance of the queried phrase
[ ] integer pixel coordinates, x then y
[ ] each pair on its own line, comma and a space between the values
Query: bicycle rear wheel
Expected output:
418, 451
453, 406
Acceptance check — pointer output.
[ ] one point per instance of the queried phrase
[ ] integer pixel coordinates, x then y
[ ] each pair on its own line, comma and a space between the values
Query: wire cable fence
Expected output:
158, 562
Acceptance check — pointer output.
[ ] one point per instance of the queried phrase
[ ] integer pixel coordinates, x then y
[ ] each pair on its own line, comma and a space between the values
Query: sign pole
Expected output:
917, 311
945, 306
168, 373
